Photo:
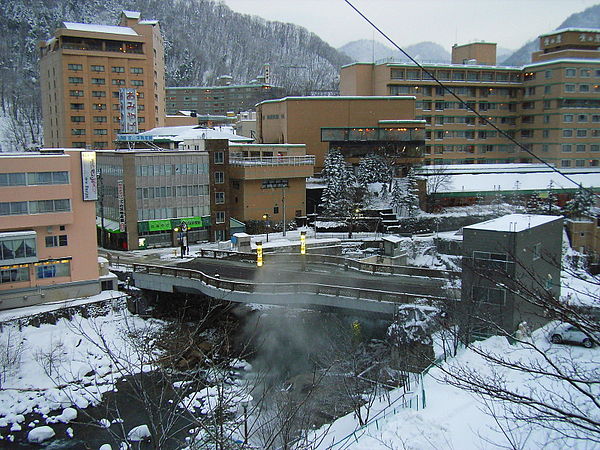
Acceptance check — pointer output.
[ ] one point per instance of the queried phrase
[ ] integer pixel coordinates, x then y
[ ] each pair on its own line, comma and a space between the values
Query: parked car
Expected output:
565, 332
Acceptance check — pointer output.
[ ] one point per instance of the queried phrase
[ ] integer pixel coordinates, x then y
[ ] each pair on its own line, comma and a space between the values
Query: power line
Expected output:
481, 117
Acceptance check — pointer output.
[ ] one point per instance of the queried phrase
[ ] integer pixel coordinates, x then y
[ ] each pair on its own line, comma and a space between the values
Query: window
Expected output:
219, 177
117, 69
100, 145
567, 148
14, 275
220, 217
100, 131
98, 81
99, 106
77, 118
74, 93
137, 82
548, 74
569, 88
580, 148
571, 73
489, 295
537, 251
595, 148
219, 197
53, 270
584, 88
98, 94
49, 206
547, 89
582, 118
13, 208
118, 82
565, 163
77, 106
56, 241
137, 70
582, 132
78, 131
585, 73
75, 66
568, 118
567, 133
12, 179
99, 119
96, 68
275, 209
580, 163
13, 249
219, 158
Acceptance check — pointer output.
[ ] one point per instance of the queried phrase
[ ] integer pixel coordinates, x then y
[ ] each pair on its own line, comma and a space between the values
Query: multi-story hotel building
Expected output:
355, 125
550, 106
98, 81
220, 100
47, 226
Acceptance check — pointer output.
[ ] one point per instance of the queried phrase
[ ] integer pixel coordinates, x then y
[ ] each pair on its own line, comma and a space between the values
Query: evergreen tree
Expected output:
581, 202
397, 197
373, 168
410, 202
534, 204
551, 202
339, 195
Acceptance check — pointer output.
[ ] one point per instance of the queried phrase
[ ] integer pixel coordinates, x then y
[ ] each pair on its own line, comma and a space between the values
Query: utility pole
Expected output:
283, 201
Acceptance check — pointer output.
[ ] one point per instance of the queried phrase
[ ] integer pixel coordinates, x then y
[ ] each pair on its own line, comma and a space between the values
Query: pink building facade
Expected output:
48, 248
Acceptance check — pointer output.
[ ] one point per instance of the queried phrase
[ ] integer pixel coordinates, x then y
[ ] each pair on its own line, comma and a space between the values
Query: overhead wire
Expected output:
466, 105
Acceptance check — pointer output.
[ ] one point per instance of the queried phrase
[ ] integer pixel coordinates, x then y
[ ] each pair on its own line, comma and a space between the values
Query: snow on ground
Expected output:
64, 366
456, 419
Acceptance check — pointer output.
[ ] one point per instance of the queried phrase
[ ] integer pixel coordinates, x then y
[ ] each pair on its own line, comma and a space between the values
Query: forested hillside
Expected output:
204, 39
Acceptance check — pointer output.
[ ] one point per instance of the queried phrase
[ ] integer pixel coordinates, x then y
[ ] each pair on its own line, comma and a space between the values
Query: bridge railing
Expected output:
282, 288
333, 260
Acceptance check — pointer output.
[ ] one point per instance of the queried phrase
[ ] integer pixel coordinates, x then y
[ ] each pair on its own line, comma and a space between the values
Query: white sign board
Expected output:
121, 198
128, 110
89, 181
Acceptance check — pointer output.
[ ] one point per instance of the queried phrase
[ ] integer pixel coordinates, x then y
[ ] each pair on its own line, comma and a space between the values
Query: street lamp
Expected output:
353, 215
303, 249
266, 219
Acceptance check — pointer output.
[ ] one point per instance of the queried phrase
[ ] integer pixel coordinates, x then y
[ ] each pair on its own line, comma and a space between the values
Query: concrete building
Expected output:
355, 125
269, 179
47, 227
220, 100
550, 105
98, 81
515, 253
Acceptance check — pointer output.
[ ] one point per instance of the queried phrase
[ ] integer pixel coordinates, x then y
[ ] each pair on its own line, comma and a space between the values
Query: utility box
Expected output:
241, 242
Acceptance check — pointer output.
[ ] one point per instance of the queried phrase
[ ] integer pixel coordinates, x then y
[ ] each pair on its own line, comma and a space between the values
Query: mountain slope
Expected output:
588, 18
365, 50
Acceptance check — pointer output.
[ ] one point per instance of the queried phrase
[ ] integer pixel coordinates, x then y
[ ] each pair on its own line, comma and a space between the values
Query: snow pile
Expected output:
67, 365
139, 433
40, 434
454, 418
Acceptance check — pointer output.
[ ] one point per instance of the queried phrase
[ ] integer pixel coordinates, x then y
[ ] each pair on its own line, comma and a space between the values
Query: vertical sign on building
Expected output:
128, 109
121, 198
89, 180
267, 73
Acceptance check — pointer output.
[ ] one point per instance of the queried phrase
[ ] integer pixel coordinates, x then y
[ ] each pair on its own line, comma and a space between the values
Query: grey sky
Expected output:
509, 23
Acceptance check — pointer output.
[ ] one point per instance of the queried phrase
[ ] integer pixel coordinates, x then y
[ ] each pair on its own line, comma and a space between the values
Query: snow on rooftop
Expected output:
95, 28
501, 182
392, 238
184, 132
132, 14
577, 30
483, 168
513, 222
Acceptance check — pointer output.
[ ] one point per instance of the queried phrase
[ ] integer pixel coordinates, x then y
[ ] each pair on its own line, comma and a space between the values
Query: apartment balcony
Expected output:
373, 134
271, 167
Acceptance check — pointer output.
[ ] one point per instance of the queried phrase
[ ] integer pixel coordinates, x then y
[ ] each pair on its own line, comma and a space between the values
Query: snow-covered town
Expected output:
265, 242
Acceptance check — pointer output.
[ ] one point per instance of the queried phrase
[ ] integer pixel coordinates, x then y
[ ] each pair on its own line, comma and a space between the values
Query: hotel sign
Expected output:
128, 110
89, 180
121, 198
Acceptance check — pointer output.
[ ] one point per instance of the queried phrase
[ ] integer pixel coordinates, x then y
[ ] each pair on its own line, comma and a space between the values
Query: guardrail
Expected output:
339, 261
282, 288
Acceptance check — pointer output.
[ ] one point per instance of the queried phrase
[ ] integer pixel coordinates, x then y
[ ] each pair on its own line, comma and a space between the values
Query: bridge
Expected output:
293, 280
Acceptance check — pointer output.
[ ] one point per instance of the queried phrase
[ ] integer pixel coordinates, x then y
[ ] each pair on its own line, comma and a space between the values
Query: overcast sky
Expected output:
509, 23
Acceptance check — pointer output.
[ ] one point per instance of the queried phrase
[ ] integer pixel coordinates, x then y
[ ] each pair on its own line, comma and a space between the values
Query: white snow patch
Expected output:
40, 434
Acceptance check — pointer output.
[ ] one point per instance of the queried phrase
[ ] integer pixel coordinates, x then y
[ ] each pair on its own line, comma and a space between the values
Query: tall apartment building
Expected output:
550, 106
98, 81
47, 227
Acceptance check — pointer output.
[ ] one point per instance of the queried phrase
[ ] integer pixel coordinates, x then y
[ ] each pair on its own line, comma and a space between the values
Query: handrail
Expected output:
281, 288
340, 261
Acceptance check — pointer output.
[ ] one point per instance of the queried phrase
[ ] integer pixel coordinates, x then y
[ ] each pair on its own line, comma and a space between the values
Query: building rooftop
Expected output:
513, 223
95, 28
577, 30
343, 97
181, 133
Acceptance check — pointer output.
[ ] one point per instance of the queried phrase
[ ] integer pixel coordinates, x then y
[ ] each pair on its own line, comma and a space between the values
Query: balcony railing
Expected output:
371, 134
307, 160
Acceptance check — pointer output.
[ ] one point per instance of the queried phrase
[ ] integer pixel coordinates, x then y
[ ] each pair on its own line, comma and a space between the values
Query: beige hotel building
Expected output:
83, 70
551, 106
